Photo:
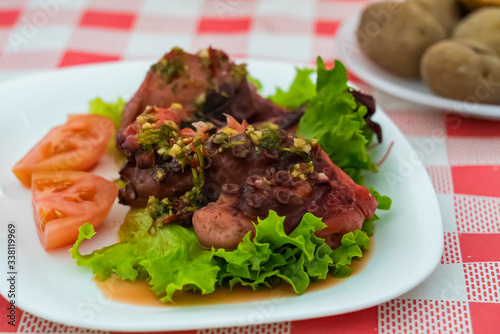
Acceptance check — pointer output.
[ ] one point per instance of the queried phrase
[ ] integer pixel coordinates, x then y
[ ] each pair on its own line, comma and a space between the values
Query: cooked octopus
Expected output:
230, 178
209, 86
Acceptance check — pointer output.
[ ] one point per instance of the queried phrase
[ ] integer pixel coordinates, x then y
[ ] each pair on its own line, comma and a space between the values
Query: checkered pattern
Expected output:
462, 155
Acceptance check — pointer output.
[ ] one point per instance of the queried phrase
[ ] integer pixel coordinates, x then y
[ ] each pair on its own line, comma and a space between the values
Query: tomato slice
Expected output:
76, 145
63, 201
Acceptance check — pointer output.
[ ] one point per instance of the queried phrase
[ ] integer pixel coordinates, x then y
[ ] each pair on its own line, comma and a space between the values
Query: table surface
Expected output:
461, 154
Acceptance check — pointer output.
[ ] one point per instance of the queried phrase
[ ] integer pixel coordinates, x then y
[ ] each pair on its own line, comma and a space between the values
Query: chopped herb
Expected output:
195, 196
270, 139
170, 69
149, 137
225, 141
159, 210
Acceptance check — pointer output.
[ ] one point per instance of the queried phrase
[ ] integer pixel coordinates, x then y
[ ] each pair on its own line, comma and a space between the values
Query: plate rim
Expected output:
346, 32
298, 314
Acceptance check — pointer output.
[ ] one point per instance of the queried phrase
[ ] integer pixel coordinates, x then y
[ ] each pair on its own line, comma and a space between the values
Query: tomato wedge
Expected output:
76, 145
63, 201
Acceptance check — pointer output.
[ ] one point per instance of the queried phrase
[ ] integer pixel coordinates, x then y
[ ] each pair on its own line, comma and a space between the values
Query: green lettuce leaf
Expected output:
136, 224
184, 267
336, 120
113, 110
171, 258
301, 90
384, 202
296, 258
120, 259
368, 225
351, 246
335, 79
333, 117
154, 242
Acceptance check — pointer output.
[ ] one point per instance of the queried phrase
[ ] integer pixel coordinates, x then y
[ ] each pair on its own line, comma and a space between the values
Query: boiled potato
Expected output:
463, 70
446, 12
482, 25
395, 35
475, 4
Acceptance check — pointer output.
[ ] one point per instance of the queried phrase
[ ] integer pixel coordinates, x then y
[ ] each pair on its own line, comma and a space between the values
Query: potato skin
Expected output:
462, 70
482, 25
475, 4
395, 35
446, 12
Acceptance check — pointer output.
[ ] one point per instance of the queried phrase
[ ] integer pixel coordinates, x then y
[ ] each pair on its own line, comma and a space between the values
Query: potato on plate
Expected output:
395, 35
482, 25
446, 12
463, 70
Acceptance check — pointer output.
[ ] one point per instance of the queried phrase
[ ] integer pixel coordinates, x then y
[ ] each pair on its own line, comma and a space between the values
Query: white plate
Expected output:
411, 90
407, 244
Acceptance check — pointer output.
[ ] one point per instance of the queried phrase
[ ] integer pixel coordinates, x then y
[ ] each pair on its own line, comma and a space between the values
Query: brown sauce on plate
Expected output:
139, 292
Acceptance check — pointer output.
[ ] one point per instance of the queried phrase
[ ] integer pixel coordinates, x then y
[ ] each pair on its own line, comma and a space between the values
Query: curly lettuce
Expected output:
384, 203
332, 116
272, 255
171, 259
112, 110
300, 91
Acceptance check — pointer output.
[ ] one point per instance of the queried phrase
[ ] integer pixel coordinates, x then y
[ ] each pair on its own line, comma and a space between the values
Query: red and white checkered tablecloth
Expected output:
462, 154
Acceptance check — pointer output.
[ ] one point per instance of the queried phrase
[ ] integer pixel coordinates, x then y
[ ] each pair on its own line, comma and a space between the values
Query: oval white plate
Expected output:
407, 245
411, 90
